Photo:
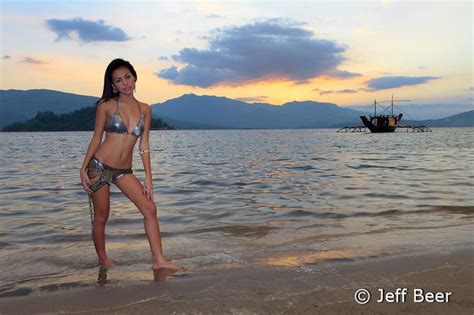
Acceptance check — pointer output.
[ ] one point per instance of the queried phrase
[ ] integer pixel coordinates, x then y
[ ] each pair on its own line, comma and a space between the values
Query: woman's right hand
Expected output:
86, 182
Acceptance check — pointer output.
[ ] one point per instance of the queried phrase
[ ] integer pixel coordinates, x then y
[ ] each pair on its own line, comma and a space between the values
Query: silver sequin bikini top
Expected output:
117, 125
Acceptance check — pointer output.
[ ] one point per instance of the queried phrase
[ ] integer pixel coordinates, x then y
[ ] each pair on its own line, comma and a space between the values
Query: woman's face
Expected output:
123, 80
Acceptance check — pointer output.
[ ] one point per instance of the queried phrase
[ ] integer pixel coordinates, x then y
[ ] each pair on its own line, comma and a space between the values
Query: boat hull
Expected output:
377, 128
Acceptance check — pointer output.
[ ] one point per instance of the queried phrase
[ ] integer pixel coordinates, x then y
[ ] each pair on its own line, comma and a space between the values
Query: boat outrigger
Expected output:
384, 122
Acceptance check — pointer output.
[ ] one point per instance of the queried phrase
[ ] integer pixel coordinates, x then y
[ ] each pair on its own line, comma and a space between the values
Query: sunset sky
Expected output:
345, 52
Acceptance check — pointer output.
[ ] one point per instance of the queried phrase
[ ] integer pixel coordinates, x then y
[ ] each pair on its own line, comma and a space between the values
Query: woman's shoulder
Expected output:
106, 105
145, 107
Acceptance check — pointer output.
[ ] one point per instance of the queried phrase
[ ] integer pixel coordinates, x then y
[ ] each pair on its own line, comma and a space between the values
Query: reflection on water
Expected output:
233, 199
102, 278
161, 274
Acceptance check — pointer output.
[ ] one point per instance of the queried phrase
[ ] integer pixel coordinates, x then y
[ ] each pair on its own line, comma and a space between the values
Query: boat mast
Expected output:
392, 104
375, 107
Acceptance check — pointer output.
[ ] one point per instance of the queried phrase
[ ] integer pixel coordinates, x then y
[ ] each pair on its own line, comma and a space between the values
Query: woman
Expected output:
124, 120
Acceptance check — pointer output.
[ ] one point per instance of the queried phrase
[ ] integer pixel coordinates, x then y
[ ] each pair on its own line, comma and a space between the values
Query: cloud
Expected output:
390, 82
214, 16
345, 91
163, 58
88, 31
170, 73
269, 50
343, 74
471, 88
302, 82
32, 60
6, 57
260, 98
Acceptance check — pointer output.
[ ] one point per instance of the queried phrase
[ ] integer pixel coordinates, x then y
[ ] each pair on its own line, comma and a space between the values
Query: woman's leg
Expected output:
101, 201
132, 188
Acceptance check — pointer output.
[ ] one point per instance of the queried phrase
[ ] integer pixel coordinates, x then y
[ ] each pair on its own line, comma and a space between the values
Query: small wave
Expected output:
368, 166
396, 228
18, 213
240, 184
236, 230
216, 163
302, 168
387, 213
178, 191
385, 196
208, 183
468, 210
322, 159
60, 286
15, 292
322, 215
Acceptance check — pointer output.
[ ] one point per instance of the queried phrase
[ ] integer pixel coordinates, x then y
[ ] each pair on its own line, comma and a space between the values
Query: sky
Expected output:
343, 52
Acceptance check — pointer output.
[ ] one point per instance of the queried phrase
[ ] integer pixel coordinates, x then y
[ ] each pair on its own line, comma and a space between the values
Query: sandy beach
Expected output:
327, 287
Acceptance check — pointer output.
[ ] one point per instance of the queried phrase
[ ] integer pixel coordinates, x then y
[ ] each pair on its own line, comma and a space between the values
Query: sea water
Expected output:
235, 199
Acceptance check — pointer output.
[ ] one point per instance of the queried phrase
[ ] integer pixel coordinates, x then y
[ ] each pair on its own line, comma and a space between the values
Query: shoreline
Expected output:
312, 288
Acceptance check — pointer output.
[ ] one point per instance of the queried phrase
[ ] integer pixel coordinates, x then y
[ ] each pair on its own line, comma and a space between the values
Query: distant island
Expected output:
465, 119
78, 120
49, 110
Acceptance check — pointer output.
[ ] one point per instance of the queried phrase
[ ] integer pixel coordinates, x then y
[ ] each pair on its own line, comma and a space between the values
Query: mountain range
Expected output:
191, 111
222, 112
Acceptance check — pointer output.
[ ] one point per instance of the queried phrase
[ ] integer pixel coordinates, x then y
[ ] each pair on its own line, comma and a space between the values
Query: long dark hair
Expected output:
108, 91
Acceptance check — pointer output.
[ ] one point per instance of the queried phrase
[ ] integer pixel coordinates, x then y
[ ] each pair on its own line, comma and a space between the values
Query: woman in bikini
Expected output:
124, 120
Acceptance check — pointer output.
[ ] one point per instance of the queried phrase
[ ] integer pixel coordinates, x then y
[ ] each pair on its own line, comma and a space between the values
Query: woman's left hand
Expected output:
148, 188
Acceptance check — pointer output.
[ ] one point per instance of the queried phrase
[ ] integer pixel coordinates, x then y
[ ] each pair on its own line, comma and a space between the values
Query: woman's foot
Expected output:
166, 264
106, 262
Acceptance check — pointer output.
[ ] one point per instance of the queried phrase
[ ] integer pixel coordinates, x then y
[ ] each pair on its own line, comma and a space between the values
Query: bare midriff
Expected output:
116, 150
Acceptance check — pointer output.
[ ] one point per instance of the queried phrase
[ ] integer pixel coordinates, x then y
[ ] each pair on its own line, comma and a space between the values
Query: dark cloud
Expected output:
31, 60
382, 83
6, 57
345, 91
170, 73
302, 82
343, 74
269, 50
260, 98
163, 58
88, 31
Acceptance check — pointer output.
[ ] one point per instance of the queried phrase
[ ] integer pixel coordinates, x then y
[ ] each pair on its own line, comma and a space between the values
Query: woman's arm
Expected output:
100, 118
144, 147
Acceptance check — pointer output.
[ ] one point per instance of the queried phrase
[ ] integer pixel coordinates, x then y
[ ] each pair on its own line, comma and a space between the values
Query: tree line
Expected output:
79, 120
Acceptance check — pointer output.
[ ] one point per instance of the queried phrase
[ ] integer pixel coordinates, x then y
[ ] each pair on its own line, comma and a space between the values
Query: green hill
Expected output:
78, 120
465, 119
19, 105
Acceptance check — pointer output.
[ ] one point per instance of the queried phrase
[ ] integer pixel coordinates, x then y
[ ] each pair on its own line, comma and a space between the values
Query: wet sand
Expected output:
326, 288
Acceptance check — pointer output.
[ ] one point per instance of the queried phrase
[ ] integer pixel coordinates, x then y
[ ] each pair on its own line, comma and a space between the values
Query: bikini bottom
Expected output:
106, 175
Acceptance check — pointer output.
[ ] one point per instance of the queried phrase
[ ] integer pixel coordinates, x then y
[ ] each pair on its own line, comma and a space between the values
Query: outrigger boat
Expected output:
384, 123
